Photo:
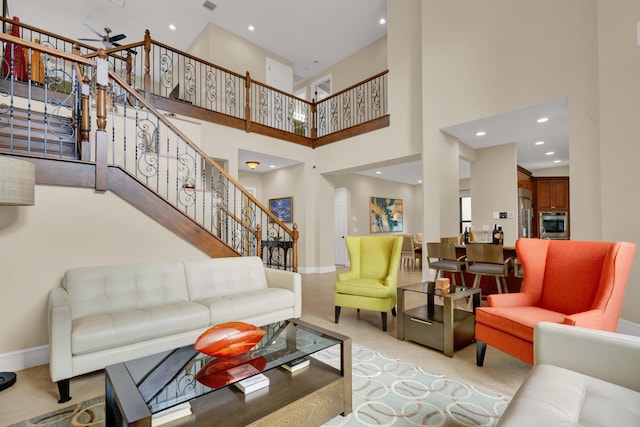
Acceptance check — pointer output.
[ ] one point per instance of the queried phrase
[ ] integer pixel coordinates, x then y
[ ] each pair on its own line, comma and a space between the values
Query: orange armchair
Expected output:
573, 282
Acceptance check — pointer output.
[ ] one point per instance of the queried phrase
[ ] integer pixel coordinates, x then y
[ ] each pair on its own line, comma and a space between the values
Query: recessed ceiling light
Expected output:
419, 181
251, 28
549, 153
382, 21
557, 161
543, 119
172, 27
481, 133
272, 166
378, 172
539, 142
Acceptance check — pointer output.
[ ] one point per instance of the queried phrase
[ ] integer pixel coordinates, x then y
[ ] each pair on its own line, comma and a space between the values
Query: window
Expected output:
465, 213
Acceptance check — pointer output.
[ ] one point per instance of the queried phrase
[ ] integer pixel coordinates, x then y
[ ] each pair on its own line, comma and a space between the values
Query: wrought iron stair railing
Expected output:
141, 140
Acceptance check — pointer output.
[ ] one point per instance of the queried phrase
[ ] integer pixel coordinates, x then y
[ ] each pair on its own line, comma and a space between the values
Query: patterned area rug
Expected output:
386, 392
389, 392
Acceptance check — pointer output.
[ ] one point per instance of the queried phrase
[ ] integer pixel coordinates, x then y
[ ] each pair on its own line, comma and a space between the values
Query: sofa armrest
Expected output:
608, 356
60, 363
287, 280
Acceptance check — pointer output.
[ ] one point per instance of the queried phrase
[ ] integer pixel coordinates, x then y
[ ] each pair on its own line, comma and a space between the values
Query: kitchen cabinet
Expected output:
525, 179
552, 194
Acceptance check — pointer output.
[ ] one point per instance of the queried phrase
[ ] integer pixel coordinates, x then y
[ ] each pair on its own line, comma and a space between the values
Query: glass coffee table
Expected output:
443, 327
139, 388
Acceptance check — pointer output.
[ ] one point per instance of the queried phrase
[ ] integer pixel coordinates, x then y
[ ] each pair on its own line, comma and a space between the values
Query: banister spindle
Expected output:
147, 65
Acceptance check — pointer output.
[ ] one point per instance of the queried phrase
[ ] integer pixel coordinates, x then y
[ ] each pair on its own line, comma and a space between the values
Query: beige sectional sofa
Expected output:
581, 377
108, 314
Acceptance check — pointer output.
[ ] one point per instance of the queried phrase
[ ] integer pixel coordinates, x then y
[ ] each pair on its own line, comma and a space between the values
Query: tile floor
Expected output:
34, 393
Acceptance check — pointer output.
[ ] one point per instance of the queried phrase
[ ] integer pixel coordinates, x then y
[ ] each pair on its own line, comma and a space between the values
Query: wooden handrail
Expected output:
333, 95
44, 49
188, 55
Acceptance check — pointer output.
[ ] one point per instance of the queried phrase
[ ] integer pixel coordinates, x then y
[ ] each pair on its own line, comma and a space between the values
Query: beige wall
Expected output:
225, 49
619, 71
494, 189
68, 227
496, 59
361, 65
362, 188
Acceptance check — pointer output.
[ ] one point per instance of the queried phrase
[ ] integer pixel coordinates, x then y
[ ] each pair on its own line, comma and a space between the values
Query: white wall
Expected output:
68, 227
619, 151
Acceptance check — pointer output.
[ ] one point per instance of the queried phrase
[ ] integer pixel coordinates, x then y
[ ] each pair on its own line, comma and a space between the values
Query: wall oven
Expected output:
554, 225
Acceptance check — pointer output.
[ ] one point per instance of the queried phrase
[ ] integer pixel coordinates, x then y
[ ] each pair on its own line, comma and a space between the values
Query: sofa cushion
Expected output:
243, 305
109, 330
110, 289
554, 396
216, 277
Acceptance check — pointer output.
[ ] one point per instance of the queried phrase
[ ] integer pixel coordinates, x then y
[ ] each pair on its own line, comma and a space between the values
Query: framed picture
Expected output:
282, 208
386, 215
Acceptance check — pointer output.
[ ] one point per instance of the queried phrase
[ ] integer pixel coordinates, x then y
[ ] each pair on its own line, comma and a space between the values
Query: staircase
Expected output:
25, 131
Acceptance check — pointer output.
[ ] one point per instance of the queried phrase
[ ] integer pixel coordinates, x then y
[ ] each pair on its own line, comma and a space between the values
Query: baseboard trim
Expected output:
24, 359
317, 270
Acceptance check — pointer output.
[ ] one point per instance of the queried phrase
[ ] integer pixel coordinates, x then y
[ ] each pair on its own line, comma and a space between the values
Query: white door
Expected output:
279, 76
340, 213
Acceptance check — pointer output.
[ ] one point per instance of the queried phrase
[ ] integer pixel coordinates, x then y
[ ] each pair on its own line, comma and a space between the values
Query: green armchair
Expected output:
372, 281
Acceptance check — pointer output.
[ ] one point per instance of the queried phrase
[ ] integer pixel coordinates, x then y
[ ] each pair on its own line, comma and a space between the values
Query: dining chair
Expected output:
487, 259
442, 257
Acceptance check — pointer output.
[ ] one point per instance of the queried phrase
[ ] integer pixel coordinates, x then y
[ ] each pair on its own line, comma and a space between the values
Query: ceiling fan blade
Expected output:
94, 31
117, 38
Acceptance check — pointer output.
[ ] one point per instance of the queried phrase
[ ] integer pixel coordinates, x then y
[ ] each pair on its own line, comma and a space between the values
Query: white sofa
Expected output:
581, 377
109, 314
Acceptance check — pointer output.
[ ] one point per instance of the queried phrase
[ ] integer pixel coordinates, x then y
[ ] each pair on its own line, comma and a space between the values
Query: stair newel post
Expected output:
258, 241
147, 65
102, 80
247, 102
129, 65
85, 122
294, 261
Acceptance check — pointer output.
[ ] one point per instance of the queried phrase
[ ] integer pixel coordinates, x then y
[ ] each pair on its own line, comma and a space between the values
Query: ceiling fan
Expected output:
107, 39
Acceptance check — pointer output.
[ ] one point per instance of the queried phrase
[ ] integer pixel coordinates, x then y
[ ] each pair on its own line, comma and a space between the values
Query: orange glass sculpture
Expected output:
220, 372
228, 339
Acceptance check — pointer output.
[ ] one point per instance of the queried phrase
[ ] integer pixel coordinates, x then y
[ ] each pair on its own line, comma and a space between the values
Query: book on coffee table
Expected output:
170, 414
296, 364
253, 383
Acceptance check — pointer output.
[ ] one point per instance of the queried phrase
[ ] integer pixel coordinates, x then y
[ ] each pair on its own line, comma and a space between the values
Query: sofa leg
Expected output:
481, 349
63, 389
393, 312
337, 315
384, 321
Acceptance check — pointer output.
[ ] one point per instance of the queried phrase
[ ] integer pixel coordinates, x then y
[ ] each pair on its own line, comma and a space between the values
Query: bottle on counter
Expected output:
495, 239
466, 235
500, 236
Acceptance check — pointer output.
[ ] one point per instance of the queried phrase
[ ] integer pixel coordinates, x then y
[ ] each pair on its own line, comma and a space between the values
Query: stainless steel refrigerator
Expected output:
525, 212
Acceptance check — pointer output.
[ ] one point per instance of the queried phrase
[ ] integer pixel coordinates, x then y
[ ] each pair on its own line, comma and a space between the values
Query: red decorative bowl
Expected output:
229, 339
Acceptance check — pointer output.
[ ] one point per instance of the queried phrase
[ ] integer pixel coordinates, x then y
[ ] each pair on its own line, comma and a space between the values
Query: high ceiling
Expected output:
313, 35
